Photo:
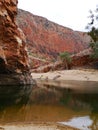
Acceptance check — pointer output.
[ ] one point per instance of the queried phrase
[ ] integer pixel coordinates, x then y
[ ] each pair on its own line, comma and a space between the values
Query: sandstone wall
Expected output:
46, 39
13, 55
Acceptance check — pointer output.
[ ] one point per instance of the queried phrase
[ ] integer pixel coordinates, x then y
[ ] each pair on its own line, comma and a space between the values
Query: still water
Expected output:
49, 108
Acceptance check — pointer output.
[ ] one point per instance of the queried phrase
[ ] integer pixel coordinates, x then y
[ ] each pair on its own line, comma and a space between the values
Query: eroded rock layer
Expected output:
45, 39
13, 56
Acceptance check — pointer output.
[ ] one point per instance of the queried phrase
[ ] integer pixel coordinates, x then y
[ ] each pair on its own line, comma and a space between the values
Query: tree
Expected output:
93, 27
94, 46
66, 58
93, 24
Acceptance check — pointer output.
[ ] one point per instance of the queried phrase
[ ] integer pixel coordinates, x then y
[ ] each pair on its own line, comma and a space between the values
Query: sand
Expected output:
84, 81
77, 75
45, 126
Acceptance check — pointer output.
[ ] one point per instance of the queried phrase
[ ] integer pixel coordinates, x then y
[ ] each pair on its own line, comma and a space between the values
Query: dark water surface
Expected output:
52, 105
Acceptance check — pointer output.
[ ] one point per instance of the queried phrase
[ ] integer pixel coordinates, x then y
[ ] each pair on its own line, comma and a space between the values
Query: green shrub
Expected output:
94, 46
66, 58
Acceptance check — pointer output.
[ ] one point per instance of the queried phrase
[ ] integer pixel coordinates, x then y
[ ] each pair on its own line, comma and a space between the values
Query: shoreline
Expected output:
84, 80
77, 75
36, 126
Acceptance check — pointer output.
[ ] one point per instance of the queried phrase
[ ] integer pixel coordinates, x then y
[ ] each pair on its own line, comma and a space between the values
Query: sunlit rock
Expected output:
14, 68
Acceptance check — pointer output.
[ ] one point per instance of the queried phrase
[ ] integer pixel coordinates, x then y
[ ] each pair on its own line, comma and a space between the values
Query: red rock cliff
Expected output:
13, 56
45, 39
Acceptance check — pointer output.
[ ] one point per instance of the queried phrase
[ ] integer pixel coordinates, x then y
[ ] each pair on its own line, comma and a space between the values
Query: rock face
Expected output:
45, 39
14, 67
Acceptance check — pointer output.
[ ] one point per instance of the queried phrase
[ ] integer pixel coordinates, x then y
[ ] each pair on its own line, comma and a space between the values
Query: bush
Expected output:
94, 46
66, 58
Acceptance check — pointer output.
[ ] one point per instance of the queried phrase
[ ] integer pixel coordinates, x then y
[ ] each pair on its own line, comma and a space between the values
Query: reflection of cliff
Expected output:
76, 101
13, 56
86, 101
49, 104
45, 39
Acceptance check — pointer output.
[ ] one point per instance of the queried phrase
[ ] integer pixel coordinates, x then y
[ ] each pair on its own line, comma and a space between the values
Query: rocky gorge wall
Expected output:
46, 39
14, 68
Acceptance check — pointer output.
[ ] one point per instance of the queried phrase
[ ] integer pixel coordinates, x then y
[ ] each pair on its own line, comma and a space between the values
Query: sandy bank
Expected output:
82, 80
80, 75
44, 126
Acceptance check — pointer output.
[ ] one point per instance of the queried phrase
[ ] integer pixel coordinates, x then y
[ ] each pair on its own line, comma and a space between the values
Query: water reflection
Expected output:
54, 105
82, 123
12, 94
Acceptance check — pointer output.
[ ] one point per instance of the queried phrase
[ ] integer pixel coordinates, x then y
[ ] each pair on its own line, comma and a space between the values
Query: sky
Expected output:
69, 13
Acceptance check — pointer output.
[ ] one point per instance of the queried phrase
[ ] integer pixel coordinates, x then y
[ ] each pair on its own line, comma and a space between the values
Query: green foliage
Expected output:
92, 26
65, 56
94, 32
94, 46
